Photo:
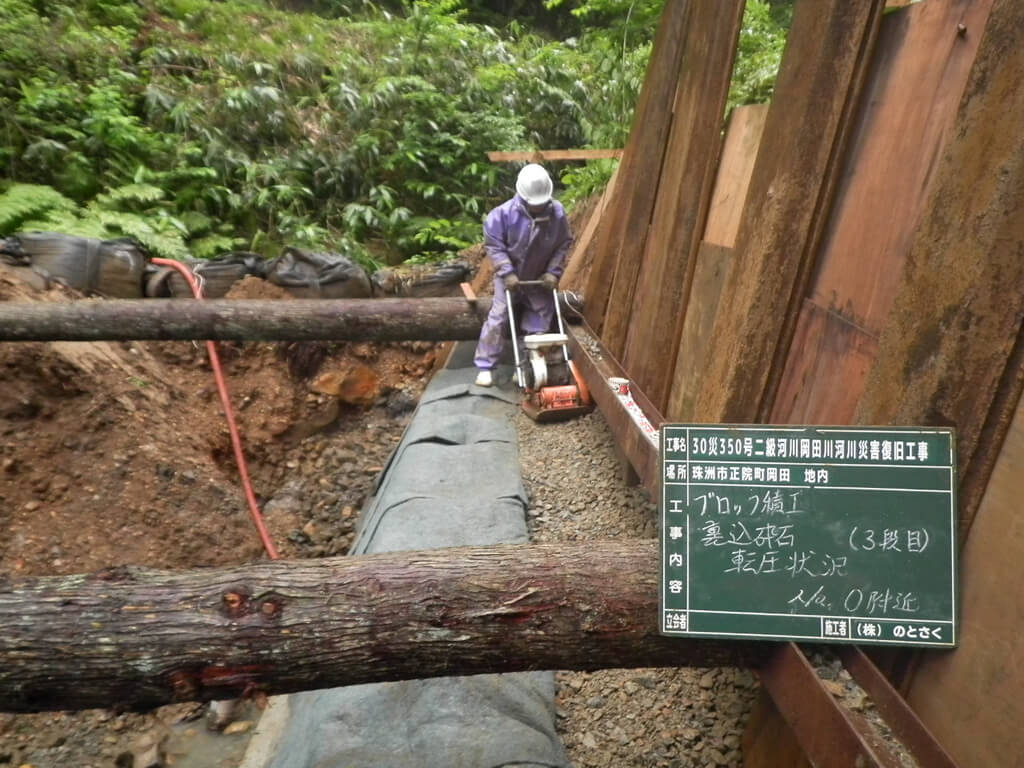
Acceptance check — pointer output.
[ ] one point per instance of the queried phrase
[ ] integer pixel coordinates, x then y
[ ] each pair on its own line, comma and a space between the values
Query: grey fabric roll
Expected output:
452, 481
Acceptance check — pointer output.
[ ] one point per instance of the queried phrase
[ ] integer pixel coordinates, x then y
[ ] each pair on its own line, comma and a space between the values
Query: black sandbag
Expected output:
217, 275
112, 268
312, 275
18, 263
12, 253
420, 280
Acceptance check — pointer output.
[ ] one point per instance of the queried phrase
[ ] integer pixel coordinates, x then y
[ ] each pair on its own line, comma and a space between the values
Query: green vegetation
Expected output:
199, 127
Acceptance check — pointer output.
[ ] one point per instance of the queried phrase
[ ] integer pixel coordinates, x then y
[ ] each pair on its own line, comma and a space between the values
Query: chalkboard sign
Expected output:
828, 534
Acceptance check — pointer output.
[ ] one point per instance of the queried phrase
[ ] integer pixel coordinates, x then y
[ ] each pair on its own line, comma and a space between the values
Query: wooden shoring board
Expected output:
830, 359
921, 66
622, 232
818, 86
920, 71
955, 325
823, 726
581, 258
919, 74
983, 727
739, 151
742, 137
830, 733
597, 366
646, 338
953, 350
903, 721
542, 155
709, 277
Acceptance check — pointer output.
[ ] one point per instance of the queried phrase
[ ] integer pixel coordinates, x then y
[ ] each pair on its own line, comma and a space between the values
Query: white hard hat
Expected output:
534, 185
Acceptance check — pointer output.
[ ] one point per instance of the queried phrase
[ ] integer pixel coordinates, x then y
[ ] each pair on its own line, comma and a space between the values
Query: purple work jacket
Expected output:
528, 246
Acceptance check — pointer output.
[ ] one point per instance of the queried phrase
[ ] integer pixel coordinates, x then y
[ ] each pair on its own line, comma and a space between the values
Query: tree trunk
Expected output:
139, 638
440, 319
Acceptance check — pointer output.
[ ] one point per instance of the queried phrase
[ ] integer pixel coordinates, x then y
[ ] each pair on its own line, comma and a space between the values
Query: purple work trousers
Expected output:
534, 309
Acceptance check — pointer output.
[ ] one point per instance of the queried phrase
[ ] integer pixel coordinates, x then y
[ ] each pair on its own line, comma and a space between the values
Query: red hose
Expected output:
229, 414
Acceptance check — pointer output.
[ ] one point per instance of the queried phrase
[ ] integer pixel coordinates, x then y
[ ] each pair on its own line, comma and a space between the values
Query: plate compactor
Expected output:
553, 387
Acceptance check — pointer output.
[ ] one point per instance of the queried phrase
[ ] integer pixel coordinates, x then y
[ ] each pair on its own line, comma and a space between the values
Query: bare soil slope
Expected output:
118, 454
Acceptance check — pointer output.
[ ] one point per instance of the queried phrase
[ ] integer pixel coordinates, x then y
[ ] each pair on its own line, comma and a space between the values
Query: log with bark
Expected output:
440, 319
135, 638
420, 319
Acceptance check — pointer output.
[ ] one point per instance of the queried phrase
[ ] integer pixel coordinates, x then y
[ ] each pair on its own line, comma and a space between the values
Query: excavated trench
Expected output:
453, 480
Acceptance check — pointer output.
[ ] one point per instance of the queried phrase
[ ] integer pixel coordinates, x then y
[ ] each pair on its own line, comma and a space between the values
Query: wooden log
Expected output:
823, 69
434, 319
623, 230
140, 638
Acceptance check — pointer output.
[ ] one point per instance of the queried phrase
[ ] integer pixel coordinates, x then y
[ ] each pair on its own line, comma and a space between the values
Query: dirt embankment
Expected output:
118, 454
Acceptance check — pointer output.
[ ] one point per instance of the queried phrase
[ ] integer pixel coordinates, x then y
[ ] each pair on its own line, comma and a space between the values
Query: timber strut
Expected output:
426, 319
410, 319
138, 638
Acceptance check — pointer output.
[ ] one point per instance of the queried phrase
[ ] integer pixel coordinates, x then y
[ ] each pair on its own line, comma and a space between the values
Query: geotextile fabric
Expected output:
452, 481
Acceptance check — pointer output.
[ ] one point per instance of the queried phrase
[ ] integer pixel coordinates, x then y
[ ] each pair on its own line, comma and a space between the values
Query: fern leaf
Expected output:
168, 244
211, 246
132, 193
24, 202
67, 224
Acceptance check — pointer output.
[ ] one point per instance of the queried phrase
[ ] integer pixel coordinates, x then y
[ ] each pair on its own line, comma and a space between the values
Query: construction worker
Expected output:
527, 238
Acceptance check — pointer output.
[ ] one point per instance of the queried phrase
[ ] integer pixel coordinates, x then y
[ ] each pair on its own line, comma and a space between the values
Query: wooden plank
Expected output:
540, 155
742, 138
829, 732
647, 339
581, 259
767, 741
622, 233
830, 359
920, 70
975, 478
596, 366
898, 715
819, 82
960, 304
818, 86
983, 676
714, 260
709, 277
910, 102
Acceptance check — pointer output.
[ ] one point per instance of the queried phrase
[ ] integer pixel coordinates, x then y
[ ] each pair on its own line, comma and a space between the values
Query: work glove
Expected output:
511, 281
550, 281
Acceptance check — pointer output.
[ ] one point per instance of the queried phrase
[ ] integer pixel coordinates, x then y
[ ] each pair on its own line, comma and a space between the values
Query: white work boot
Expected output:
484, 378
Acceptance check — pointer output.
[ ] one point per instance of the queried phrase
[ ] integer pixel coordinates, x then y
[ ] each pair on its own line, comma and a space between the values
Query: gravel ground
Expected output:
674, 718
